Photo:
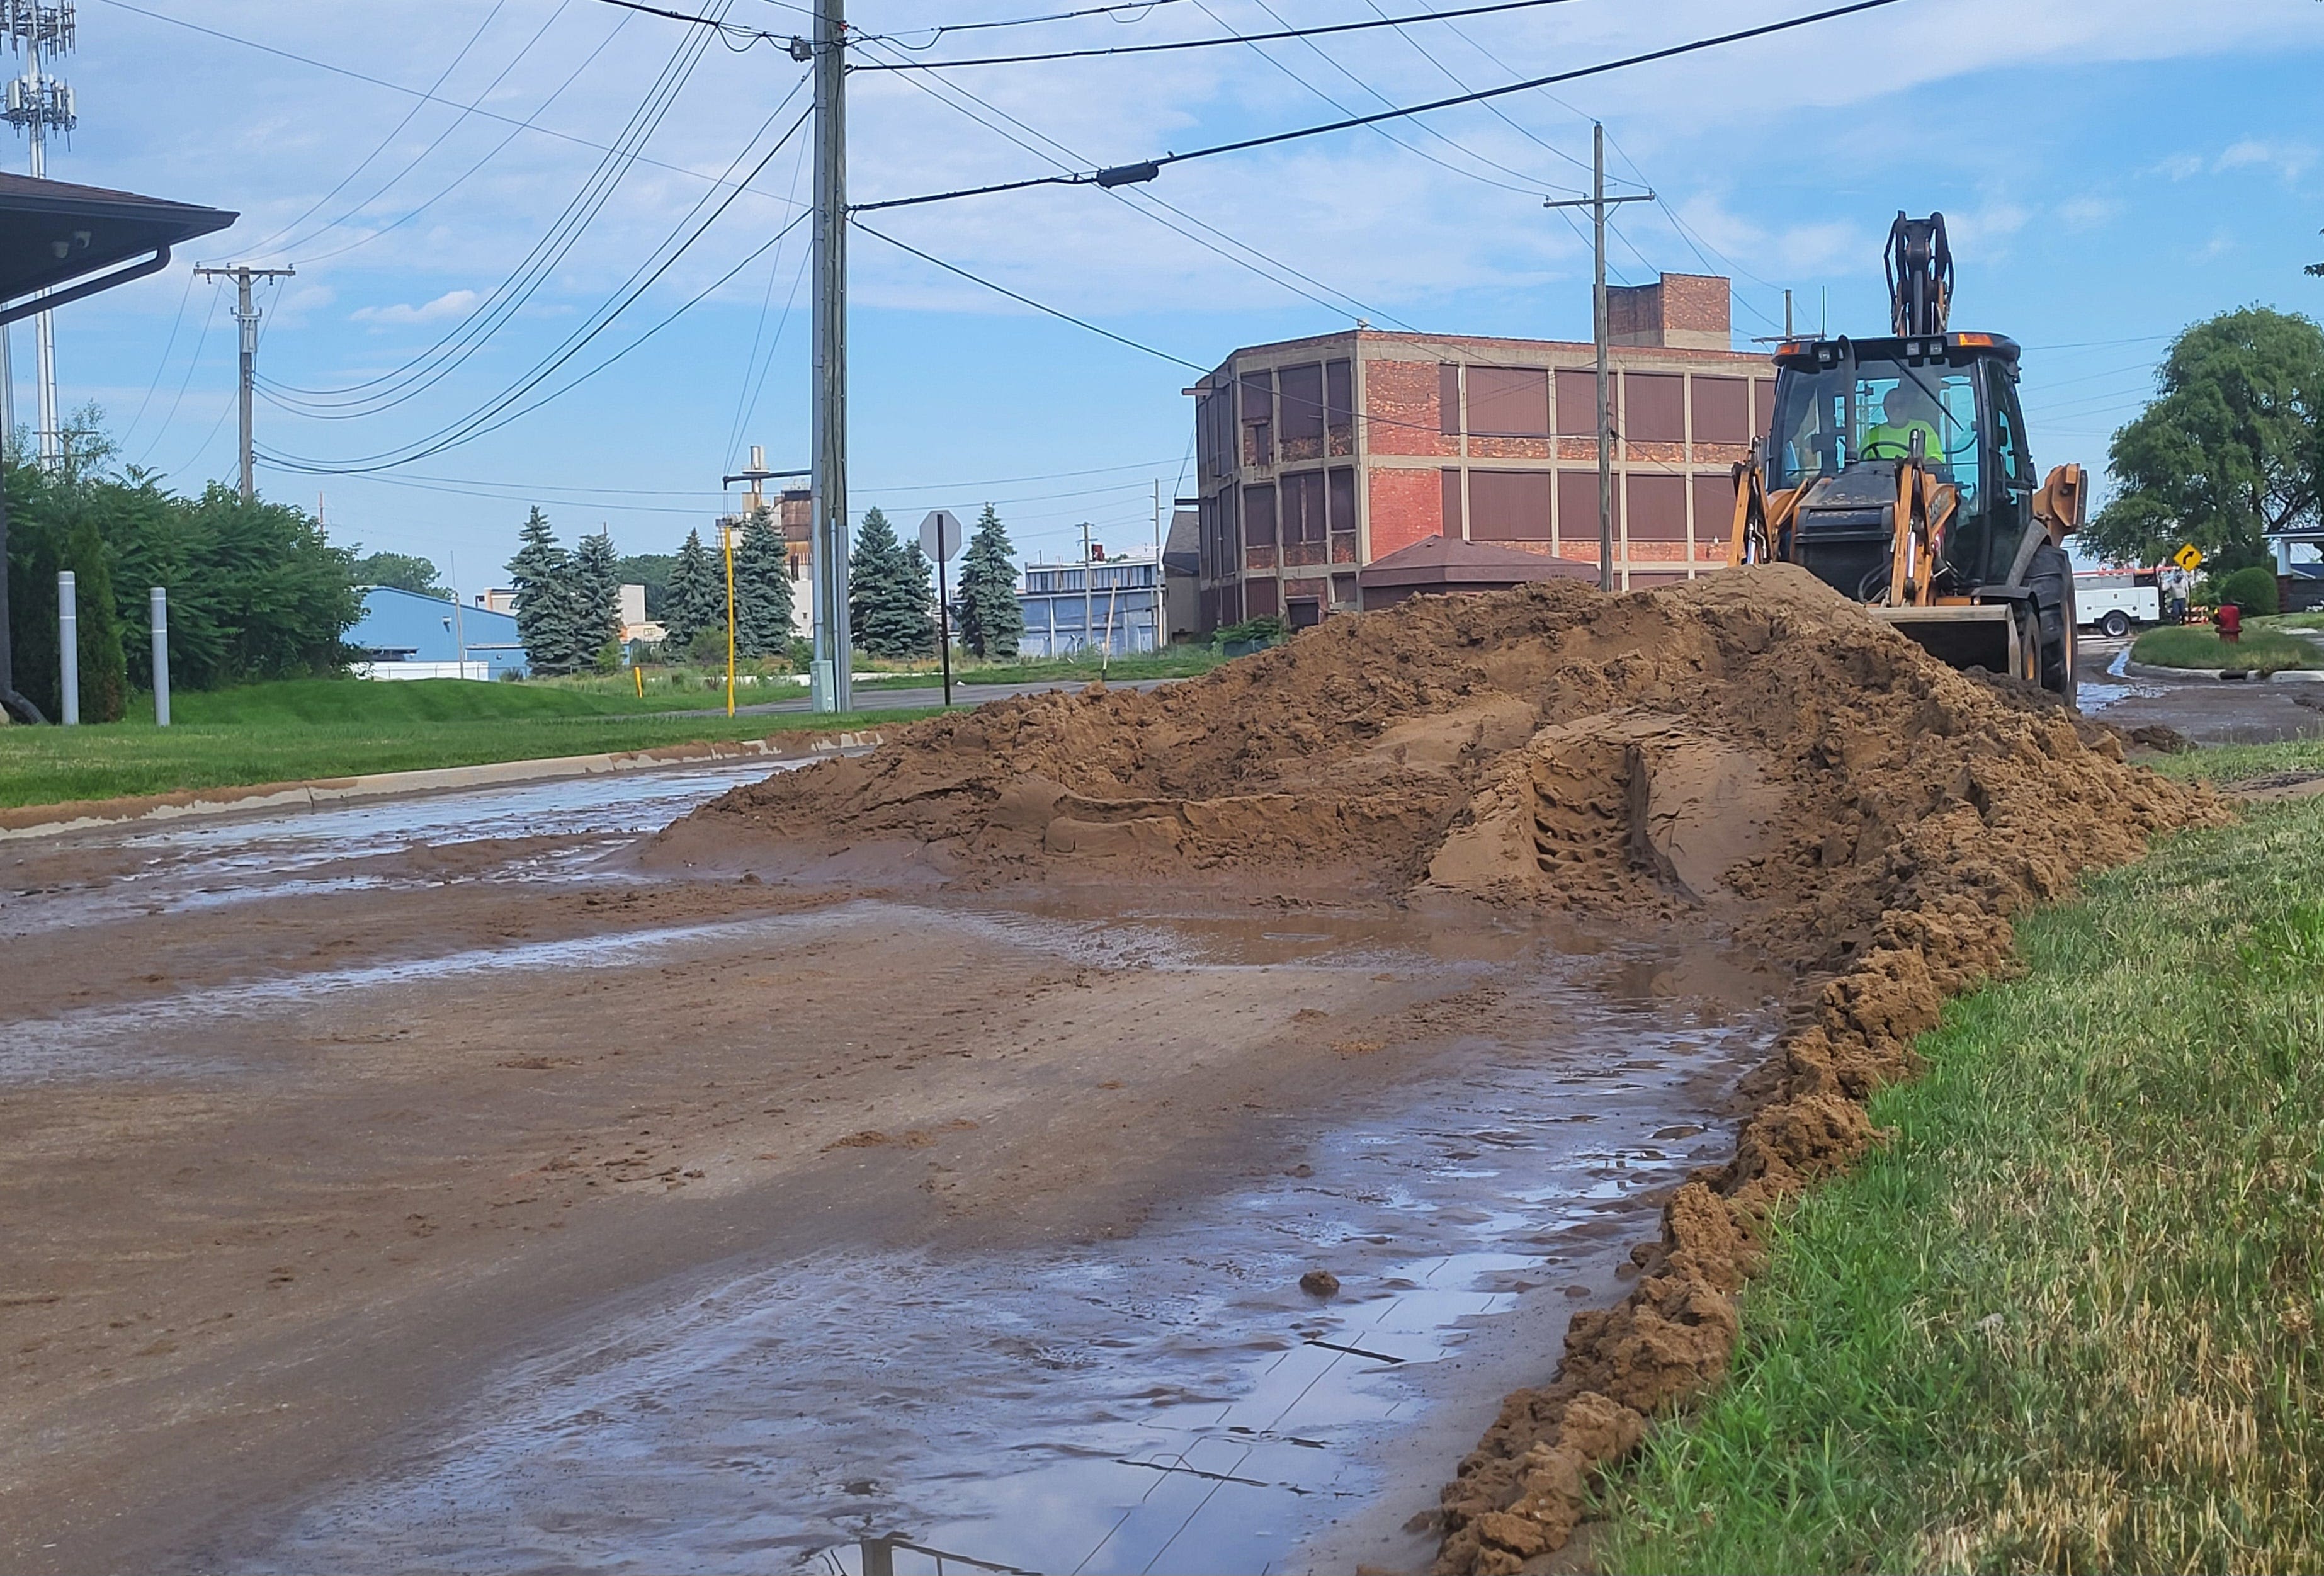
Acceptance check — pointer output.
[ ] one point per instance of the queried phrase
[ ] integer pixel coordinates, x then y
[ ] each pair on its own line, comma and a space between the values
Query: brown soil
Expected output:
1752, 751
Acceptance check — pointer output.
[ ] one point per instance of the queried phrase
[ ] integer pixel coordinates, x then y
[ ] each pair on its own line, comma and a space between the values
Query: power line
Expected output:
1143, 7
1201, 43
383, 391
365, 78
1029, 301
938, 88
1131, 174
1530, 190
495, 414
749, 35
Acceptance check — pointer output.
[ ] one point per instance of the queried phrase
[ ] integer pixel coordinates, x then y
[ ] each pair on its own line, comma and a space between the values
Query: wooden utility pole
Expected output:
245, 315
1598, 202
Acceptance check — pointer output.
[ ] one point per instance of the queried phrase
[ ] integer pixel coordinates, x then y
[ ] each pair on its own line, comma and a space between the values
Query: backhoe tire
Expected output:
2051, 578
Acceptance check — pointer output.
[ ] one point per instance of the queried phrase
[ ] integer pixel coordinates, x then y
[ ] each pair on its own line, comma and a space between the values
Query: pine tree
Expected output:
762, 588
597, 597
547, 617
696, 598
986, 611
871, 565
888, 604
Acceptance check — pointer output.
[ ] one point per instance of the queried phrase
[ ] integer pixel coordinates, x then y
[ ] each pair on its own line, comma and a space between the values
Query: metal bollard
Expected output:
161, 605
69, 647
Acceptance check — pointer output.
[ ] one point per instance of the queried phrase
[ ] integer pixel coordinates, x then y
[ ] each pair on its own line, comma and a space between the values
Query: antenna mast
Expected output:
37, 104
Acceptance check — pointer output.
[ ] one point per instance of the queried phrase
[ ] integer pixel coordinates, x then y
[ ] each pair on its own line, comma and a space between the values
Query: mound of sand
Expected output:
1752, 747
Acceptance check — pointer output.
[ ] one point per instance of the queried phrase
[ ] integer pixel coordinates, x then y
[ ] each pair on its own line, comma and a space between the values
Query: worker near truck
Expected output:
2174, 584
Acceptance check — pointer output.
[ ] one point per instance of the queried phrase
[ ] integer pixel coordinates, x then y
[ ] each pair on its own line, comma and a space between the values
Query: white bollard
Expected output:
160, 605
69, 647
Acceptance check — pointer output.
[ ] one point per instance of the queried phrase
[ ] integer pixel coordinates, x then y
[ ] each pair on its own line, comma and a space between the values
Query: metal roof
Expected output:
55, 236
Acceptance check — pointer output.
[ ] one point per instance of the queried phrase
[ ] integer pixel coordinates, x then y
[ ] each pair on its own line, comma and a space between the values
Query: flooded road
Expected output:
503, 1211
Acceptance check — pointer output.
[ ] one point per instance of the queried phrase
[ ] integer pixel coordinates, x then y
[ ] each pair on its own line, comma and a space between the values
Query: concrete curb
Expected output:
2224, 675
322, 793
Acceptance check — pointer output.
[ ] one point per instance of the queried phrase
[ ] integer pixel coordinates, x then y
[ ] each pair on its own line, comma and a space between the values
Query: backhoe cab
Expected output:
1897, 471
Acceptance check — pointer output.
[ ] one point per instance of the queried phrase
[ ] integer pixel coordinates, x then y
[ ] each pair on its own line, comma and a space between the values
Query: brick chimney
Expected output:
1680, 311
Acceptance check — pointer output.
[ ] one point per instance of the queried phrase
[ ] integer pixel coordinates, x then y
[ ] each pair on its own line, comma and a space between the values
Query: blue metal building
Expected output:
1124, 597
402, 633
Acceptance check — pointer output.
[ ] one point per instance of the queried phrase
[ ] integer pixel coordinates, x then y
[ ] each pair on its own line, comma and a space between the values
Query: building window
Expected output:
1577, 404
1509, 506
1654, 407
1509, 401
1453, 511
1657, 512
1577, 506
1714, 505
1448, 398
1257, 419
1306, 613
1722, 410
1342, 504
1302, 430
1343, 590
1261, 597
1259, 516
1339, 407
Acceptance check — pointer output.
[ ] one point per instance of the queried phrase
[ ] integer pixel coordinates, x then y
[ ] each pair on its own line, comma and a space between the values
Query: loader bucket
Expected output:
1983, 636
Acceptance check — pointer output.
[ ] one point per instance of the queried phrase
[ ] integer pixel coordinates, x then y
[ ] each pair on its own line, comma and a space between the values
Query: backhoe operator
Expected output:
1905, 409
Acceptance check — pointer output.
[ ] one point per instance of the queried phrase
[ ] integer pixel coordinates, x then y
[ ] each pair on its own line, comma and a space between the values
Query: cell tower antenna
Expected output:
37, 104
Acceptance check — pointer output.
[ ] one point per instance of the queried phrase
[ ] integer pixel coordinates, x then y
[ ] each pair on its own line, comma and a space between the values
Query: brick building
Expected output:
1316, 456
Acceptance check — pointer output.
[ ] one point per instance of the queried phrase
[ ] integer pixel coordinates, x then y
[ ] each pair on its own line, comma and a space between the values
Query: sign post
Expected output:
940, 539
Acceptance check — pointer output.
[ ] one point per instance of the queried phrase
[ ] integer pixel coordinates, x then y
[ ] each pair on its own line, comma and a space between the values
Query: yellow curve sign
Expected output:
2188, 557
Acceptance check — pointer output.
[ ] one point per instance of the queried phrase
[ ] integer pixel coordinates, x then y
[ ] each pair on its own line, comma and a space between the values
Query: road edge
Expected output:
319, 793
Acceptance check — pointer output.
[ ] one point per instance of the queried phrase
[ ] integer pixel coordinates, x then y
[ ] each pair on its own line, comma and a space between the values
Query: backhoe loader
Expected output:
1897, 471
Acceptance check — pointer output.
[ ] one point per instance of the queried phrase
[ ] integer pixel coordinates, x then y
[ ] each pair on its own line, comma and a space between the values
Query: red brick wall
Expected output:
1694, 301
1407, 506
1400, 409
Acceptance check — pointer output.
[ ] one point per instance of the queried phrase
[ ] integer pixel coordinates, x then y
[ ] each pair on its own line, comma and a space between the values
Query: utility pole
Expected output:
1598, 202
37, 104
1161, 634
834, 641
247, 316
1088, 602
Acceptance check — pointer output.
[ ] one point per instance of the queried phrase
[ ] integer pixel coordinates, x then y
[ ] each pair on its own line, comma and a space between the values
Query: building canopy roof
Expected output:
1451, 563
55, 236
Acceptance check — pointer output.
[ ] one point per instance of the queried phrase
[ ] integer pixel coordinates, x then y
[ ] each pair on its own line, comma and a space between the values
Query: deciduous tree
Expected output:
2228, 450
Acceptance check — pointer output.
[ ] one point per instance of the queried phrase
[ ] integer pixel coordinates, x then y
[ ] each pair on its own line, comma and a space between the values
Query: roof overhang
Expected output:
74, 241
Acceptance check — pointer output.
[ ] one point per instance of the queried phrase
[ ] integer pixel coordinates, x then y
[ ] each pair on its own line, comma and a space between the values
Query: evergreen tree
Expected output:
596, 596
888, 604
549, 616
762, 589
985, 612
871, 566
696, 597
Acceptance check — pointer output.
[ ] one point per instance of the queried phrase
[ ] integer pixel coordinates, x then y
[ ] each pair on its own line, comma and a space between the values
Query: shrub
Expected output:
2251, 589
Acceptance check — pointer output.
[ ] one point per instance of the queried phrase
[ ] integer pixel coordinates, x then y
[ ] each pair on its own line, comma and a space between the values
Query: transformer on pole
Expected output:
246, 317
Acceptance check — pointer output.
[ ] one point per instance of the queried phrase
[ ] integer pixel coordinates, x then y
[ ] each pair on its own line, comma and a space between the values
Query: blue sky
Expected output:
2111, 172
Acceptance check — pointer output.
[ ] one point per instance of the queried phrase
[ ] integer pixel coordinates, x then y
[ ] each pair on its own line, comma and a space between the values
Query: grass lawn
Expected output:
415, 700
252, 737
2067, 1318
2262, 649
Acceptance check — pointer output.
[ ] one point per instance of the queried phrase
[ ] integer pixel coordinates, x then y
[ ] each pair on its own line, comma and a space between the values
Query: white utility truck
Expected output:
2114, 602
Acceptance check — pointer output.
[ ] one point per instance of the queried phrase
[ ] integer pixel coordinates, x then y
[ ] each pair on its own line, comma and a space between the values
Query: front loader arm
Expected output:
1762, 521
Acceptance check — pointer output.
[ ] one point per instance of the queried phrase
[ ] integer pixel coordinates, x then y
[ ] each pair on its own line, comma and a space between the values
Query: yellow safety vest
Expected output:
1887, 442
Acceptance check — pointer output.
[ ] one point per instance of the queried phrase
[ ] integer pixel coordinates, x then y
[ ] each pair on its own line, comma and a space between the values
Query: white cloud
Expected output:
450, 304
2289, 159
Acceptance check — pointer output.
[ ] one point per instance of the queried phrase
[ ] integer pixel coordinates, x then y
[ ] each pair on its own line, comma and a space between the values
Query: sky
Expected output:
466, 188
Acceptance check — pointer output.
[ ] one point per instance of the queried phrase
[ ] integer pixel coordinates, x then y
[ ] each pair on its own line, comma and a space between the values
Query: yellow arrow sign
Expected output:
2188, 557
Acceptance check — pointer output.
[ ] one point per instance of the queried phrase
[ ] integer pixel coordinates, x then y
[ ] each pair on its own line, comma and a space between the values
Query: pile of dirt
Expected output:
1751, 748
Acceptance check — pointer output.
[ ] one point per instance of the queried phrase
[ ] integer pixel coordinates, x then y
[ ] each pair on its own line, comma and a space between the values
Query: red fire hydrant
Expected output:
2230, 620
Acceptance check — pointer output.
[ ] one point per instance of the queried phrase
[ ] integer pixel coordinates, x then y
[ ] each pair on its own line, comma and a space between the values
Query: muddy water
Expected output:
199, 864
1169, 1400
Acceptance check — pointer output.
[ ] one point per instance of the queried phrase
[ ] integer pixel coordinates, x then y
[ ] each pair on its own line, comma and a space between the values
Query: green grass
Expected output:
2228, 764
2067, 1318
42, 766
415, 700
1176, 662
2262, 650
